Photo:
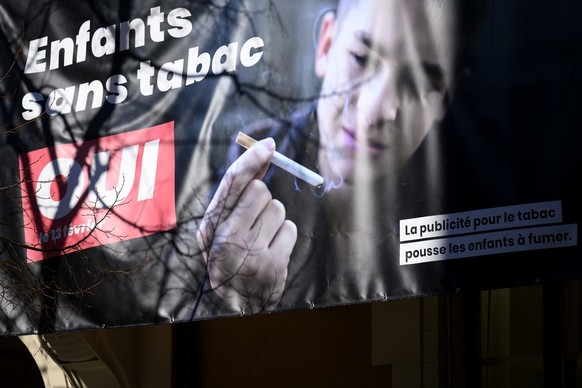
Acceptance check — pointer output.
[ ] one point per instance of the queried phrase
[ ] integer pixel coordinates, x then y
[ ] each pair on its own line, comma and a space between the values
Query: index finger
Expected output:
252, 164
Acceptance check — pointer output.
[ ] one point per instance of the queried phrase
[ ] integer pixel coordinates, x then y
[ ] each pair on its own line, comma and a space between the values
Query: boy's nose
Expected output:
378, 100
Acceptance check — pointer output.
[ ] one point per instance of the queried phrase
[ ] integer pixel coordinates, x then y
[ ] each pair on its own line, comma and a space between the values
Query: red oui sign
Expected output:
78, 196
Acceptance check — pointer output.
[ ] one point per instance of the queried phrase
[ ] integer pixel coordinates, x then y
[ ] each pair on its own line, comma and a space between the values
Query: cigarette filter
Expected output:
285, 163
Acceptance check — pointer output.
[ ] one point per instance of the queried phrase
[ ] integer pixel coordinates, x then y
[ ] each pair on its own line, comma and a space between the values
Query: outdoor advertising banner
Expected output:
166, 161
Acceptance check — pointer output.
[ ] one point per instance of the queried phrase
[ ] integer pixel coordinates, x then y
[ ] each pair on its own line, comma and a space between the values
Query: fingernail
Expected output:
269, 143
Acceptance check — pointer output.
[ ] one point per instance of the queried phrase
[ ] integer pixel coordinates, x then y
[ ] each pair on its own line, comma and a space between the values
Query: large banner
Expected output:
166, 161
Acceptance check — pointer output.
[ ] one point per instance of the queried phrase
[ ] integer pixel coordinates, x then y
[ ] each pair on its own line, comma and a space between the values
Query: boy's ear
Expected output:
326, 35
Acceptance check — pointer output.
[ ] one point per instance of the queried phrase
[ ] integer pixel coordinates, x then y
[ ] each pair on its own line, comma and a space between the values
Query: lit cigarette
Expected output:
285, 163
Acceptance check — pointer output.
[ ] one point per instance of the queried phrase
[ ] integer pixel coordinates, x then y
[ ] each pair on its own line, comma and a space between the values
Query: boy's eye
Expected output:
361, 60
406, 81
426, 81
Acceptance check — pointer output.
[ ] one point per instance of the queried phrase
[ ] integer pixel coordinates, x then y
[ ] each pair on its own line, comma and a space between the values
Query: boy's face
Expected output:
386, 70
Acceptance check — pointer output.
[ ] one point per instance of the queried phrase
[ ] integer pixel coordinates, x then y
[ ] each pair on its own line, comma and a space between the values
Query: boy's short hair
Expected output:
470, 14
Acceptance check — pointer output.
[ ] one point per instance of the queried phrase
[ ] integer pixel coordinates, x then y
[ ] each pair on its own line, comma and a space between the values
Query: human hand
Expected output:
244, 237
